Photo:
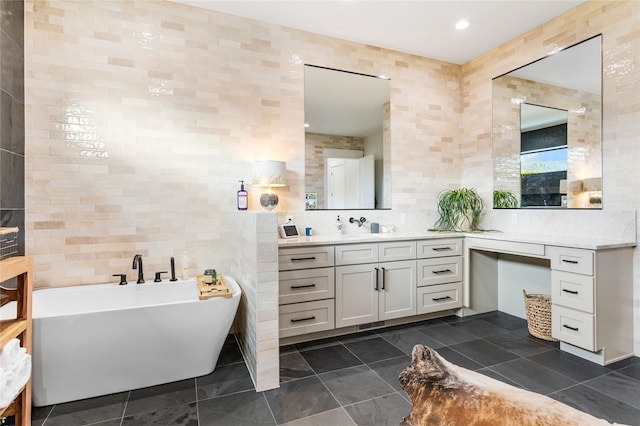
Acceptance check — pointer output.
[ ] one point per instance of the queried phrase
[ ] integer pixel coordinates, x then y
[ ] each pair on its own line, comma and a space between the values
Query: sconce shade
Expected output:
268, 173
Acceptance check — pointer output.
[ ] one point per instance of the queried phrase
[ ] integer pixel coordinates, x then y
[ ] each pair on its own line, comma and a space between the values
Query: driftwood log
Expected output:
446, 394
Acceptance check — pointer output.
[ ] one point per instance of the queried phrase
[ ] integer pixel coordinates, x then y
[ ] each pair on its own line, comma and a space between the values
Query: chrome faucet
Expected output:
138, 259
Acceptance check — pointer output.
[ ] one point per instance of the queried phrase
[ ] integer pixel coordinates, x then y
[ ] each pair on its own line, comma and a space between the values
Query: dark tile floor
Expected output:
353, 380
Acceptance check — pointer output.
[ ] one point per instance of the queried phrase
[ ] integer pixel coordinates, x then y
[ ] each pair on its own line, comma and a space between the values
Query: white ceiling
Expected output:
421, 27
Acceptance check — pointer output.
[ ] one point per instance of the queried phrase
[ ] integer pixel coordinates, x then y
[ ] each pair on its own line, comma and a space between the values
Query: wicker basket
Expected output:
538, 307
8, 242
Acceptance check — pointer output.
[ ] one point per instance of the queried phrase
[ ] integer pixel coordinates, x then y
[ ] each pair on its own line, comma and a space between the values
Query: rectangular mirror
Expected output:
347, 140
547, 131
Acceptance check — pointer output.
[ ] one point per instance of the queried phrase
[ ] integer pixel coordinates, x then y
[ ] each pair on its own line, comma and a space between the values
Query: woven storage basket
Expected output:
538, 307
8, 242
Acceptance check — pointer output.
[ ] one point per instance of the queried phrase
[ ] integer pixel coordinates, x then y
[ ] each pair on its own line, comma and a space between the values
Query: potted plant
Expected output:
459, 210
504, 200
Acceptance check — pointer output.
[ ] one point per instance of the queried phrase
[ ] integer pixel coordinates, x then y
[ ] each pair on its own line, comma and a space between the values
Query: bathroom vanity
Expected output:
364, 280
344, 283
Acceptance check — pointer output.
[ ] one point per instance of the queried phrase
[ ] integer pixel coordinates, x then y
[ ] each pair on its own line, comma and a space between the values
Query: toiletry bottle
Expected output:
185, 263
243, 199
338, 226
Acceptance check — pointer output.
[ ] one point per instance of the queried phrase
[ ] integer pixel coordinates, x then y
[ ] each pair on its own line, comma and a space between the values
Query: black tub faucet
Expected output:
138, 259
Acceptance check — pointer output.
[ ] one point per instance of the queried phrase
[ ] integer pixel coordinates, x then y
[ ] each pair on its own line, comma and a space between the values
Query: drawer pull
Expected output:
298, 259
439, 299
570, 328
302, 286
569, 291
443, 271
383, 271
441, 249
573, 262
376, 287
303, 319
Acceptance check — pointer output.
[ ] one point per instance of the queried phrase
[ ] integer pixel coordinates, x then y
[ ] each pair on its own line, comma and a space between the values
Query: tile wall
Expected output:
12, 113
141, 116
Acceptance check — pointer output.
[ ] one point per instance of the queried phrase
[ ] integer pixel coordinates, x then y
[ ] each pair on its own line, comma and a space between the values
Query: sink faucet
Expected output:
138, 259
359, 222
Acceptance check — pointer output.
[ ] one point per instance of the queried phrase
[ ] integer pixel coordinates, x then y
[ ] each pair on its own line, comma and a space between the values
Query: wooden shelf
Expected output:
20, 268
11, 329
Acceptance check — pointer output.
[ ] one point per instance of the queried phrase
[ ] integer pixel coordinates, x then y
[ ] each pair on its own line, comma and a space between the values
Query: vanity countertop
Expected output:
551, 240
365, 238
588, 243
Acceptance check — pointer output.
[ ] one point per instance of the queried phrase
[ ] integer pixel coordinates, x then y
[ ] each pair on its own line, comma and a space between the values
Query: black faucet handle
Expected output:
123, 278
158, 278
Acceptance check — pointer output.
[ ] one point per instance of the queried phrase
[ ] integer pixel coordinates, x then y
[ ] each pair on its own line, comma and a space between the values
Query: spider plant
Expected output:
504, 200
459, 210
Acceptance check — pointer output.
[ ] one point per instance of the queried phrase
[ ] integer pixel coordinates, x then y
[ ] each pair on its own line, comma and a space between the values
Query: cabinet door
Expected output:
397, 289
356, 296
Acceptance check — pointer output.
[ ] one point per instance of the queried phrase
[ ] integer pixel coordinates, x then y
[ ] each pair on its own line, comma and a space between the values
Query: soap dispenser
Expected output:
243, 199
338, 226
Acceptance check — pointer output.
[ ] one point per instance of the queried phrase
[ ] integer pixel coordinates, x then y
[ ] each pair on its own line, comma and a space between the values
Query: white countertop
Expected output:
365, 238
557, 240
552, 240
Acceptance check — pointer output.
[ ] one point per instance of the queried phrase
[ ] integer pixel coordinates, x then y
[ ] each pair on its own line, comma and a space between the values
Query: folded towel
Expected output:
9, 354
6, 387
23, 371
10, 362
11, 381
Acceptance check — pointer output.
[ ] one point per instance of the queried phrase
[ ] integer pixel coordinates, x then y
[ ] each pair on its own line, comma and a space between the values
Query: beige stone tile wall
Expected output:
315, 144
143, 115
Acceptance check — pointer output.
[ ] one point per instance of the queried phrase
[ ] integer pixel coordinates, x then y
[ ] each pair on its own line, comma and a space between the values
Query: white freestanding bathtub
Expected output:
99, 339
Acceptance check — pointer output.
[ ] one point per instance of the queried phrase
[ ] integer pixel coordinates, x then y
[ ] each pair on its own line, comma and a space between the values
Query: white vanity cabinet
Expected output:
306, 290
592, 302
439, 279
375, 282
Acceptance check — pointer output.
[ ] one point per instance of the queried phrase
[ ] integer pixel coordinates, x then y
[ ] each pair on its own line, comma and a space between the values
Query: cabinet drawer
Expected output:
439, 297
439, 270
401, 250
573, 327
572, 290
309, 317
571, 260
439, 248
305, 257
353, 254
306, 285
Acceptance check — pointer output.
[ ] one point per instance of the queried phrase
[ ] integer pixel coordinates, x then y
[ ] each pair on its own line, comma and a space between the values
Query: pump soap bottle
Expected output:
338, 226
243, 199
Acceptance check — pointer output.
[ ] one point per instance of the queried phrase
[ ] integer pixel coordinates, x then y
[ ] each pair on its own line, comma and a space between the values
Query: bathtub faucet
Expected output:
138, 259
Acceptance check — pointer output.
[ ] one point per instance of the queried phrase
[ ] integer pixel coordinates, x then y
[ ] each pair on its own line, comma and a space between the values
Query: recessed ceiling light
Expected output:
462, 24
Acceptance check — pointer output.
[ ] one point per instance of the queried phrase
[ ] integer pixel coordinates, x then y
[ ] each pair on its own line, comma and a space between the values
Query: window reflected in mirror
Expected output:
543, 156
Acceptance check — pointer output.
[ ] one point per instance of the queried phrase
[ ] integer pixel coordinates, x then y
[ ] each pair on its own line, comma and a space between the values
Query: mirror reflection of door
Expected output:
543, 156
350, 183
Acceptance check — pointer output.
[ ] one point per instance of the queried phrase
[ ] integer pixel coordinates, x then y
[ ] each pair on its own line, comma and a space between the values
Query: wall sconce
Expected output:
268, 174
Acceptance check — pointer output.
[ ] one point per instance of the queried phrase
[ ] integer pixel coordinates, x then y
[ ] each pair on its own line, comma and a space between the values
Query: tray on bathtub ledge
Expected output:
207, 291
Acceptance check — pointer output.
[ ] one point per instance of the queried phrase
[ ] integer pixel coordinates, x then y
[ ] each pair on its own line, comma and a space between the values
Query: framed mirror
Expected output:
347, 140
547, 131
